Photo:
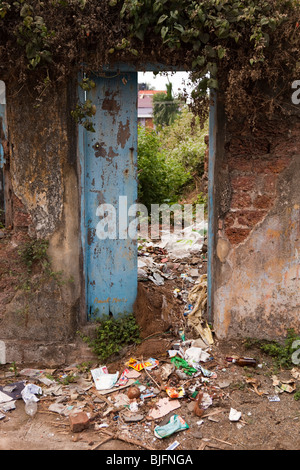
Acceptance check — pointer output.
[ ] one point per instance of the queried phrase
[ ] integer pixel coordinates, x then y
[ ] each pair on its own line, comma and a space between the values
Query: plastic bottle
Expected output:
31, 407
242, 361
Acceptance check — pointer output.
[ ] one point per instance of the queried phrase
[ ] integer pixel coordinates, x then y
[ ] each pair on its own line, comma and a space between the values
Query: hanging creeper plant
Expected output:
227, 45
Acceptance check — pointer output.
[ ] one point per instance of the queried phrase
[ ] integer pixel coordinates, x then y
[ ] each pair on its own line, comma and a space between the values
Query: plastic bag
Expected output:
186, 242
175, 424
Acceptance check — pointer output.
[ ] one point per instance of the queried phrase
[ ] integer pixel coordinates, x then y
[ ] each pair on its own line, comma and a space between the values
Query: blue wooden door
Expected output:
109, 180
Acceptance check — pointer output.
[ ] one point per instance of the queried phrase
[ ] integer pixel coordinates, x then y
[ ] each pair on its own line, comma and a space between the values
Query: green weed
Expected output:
111, 334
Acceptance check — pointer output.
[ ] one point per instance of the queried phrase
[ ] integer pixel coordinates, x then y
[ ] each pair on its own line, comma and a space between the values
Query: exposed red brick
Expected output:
242, 183
271, 165
229, 219
249, 146
240, 163
237, 235
263, 202
21, 218
250, 218
241, 200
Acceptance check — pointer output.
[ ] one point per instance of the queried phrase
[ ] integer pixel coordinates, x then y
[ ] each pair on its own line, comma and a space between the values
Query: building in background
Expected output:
145, 106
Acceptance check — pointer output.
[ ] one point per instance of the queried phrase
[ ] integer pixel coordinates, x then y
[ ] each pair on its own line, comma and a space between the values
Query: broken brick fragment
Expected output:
79, 421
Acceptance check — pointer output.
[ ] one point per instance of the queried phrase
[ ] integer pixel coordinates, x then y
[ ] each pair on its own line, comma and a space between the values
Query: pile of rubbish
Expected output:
181, 258
182, 251
142, 404
147, 393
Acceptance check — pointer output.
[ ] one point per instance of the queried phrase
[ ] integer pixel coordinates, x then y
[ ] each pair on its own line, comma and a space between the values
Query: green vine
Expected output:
227, 45
87, 109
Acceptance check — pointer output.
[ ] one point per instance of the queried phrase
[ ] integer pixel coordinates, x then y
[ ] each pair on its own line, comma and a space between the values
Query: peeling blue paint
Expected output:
109, 171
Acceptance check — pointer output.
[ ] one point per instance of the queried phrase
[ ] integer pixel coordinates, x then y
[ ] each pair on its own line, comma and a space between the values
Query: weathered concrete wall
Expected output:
257, 217
43, 202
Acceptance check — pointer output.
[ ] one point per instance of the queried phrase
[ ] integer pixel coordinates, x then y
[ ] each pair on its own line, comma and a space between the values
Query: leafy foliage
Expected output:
239, 47
160, 177
282, 354
170, 158
185, 141
111, 334
228, 44
34, 251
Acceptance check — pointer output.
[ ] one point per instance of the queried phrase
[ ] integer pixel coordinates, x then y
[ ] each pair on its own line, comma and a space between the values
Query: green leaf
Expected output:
221, 52
162, 19
212, 83
164, 31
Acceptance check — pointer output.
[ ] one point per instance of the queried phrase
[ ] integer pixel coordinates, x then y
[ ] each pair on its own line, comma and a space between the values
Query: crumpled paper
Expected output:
30, 391
103, 380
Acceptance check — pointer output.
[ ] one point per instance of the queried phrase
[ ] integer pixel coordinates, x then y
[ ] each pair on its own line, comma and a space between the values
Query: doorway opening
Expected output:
128, 165
172, 157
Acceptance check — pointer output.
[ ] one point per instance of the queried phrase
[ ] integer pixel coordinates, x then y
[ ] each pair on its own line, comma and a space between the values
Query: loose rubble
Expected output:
164, 402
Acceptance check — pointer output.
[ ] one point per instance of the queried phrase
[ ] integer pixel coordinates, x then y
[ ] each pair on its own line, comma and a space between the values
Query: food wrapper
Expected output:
175, 424
175, 392
138, 366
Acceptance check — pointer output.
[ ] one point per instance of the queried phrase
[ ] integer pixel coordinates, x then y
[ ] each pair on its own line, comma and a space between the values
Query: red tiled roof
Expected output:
145, 97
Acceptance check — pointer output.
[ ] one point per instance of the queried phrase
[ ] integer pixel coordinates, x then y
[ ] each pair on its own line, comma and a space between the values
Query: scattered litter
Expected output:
242, 361
57, 408
145, 397
234, 415
281, 386
32, 373
13, 390
138, 366
255, 383
166, 371
131, 416
134, 392
295, 373
184, 243
182, 364
4, 397
103, 380
175, 393
176, 424
30, 391
173, 446
273, 398
198, 298
8, 406
195, 355
202, 402
163, 407
31, 407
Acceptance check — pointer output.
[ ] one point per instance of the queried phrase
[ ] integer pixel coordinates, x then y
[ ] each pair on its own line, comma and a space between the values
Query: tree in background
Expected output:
170, 160
184, 140
165, 108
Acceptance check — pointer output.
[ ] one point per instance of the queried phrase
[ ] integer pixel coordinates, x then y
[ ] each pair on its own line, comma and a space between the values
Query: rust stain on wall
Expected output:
123, 133
110, 103
99, 148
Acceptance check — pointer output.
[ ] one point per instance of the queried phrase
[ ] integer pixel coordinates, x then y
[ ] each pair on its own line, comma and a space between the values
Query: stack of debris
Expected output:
153, 399
147, 394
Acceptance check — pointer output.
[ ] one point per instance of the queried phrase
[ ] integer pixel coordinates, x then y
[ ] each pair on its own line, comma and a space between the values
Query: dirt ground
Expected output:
263, 424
